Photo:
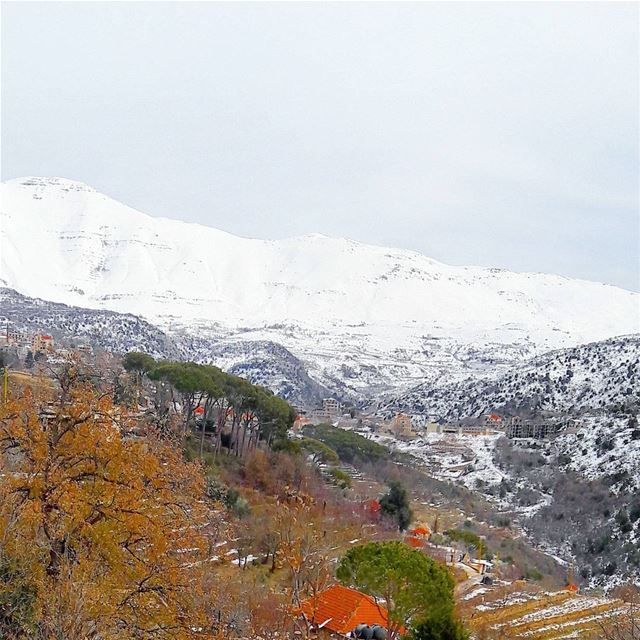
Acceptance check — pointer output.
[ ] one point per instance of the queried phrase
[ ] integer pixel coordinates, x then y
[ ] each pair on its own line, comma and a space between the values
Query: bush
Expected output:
339, 478
468, 537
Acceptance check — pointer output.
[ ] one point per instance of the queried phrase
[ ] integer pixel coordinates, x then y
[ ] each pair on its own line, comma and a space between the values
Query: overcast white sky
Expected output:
499, 134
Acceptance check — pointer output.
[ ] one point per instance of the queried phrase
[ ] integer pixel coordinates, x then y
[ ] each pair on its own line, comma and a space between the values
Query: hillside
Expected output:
261, 362
589, 377
578, 495
366, 318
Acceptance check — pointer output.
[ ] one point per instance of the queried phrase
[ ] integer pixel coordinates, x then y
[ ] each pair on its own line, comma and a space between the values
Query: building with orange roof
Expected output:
300, 422
42, 342
418, 536
339, 610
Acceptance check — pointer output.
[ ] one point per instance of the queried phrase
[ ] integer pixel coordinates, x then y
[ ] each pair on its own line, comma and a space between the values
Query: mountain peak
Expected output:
52, 183
365, 304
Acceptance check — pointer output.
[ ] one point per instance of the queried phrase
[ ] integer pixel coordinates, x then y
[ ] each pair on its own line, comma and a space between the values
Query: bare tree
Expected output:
625, 626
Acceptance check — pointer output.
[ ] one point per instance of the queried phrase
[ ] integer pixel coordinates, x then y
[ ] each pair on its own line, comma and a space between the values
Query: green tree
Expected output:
395, 505
413, 586
439, 627
350, 446
28, 361
254, 413
319, 451
136, 361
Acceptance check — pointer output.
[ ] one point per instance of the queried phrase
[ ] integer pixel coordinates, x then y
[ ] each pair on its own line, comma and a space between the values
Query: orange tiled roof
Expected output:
414, 542
341, 609
420, 531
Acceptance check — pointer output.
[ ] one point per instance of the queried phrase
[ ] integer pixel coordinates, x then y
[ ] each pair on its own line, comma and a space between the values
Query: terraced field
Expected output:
520, 611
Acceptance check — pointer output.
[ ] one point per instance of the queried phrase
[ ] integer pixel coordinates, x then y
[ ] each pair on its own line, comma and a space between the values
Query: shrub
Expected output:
339, 478
348, 445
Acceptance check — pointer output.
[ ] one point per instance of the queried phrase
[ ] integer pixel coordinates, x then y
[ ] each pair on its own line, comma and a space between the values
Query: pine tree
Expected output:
395, 504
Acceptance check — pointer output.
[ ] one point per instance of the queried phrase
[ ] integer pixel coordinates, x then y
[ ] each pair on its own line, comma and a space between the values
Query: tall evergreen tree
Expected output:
395, 505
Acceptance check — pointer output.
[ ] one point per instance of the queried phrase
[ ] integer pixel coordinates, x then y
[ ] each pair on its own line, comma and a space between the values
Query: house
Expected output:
42, 342
300, 422
402, 426
330, 412
539, 429
423, 531
492, 421
472, 429
433, 427
339, 610
418, 536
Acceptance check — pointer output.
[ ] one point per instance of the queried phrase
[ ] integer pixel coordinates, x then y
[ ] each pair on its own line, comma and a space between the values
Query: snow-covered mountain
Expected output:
363, 318
594, 376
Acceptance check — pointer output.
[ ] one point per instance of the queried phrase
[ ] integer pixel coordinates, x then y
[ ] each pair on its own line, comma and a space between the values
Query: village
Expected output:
24, 348
404, 427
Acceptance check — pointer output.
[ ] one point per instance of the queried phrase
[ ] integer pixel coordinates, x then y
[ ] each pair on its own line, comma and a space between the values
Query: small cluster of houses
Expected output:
25, 342
21, 343
403, 427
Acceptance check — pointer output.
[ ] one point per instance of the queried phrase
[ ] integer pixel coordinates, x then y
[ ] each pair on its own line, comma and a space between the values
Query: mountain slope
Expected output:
264, 363
589, 377
360, 316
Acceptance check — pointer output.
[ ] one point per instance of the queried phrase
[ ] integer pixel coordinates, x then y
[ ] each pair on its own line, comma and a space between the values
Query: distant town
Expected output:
404, 427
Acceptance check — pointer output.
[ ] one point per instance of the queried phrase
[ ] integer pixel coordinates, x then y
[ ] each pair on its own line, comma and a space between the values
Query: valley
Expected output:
508, 403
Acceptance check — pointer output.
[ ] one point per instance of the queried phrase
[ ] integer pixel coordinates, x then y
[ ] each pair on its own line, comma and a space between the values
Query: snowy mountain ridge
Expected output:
590, 377
361, 317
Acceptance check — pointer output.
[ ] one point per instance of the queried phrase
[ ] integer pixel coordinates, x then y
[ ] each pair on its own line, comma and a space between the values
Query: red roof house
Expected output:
340, 610
417, 537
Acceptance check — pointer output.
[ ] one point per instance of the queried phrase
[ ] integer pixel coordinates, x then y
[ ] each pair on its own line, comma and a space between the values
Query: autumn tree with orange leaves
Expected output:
102, 535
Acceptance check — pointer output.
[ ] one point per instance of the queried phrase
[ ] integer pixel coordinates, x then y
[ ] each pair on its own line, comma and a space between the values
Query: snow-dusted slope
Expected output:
261, 362
359, 315
593, 376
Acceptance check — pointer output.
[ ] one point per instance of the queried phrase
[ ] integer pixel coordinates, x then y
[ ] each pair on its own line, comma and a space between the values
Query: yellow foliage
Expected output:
110, 531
